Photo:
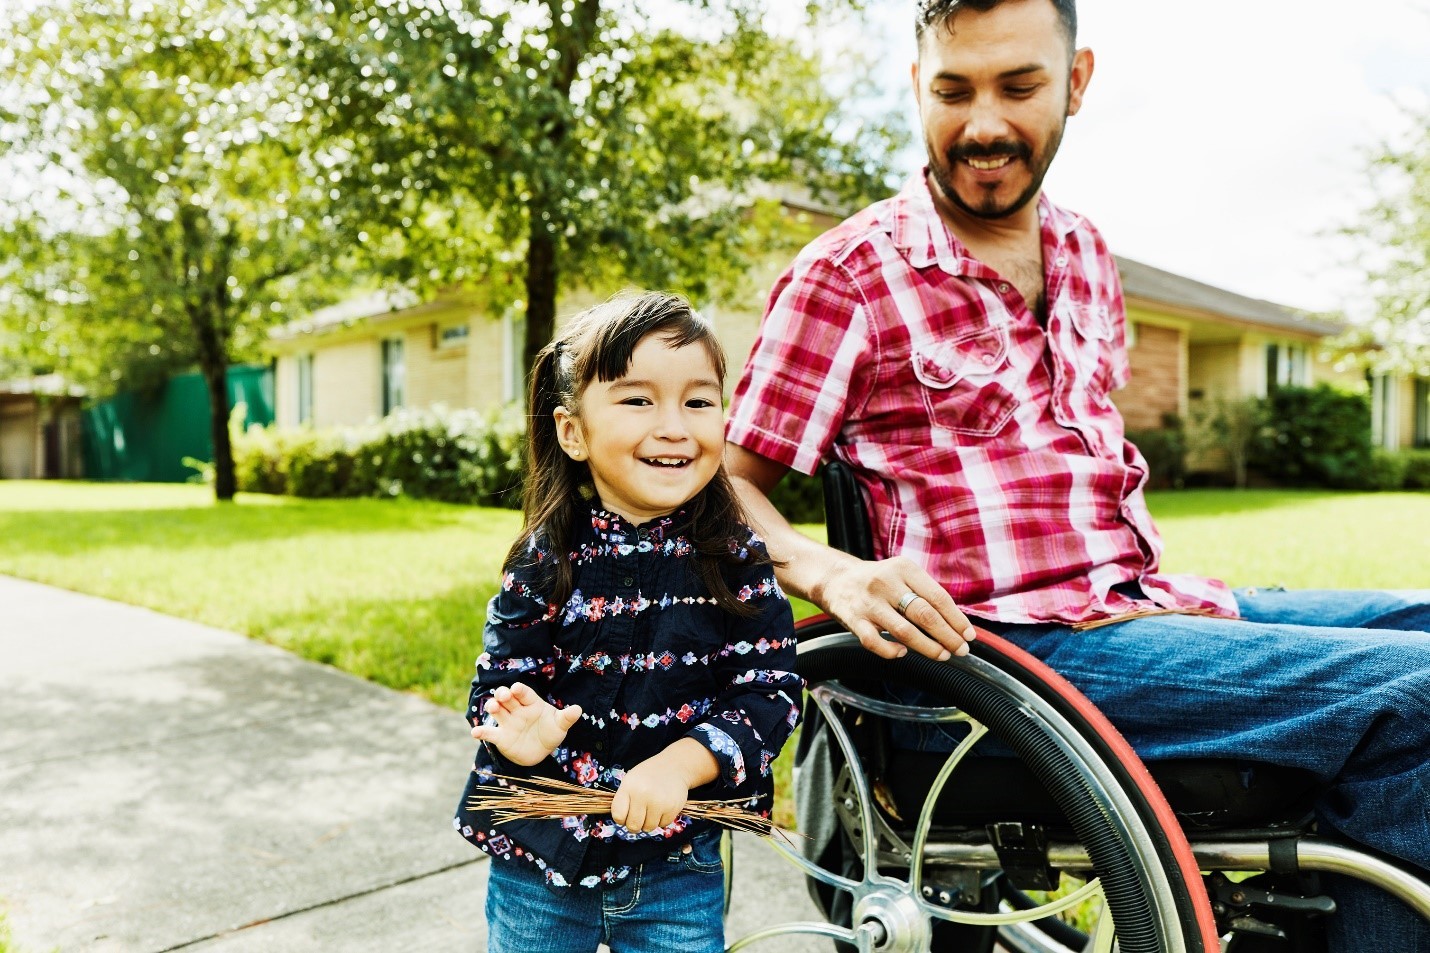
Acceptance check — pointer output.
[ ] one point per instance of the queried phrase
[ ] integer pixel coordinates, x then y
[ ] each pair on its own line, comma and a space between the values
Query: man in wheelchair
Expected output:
954, 347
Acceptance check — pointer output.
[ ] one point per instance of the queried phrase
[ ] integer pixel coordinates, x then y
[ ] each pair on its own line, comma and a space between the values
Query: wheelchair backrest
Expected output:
845, 517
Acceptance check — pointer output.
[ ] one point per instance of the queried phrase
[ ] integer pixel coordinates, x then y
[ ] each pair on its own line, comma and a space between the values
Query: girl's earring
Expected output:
587, 491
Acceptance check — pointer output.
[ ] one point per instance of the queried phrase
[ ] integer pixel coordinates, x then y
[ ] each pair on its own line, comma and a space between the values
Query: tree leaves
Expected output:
205, 170
1395, 232
577, 143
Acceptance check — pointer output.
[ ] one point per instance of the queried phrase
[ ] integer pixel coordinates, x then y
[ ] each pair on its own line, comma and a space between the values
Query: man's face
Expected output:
994, 93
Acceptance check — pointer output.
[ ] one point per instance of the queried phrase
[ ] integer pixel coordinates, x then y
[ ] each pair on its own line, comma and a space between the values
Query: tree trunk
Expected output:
574, 28
541, 278
225, 481
213, 362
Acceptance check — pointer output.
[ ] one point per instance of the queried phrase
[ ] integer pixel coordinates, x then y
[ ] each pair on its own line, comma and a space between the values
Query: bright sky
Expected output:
1226, 140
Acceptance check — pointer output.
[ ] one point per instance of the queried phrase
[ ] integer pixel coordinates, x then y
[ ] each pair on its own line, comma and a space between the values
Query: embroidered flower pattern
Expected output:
601, 662
722, 744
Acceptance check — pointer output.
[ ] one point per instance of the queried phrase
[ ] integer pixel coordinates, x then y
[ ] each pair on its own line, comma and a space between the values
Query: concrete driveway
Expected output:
168, 786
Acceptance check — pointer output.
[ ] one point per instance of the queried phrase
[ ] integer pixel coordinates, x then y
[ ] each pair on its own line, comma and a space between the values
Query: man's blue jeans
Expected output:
676, 902
1335, 682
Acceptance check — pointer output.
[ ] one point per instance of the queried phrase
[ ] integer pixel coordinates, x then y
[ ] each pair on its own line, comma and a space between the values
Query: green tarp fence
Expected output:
146, 436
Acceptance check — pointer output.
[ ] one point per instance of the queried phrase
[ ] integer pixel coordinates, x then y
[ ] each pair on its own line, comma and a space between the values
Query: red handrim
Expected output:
1065, 691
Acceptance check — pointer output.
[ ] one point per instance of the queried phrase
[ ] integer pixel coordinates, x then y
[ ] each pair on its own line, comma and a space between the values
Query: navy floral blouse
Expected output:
650, 658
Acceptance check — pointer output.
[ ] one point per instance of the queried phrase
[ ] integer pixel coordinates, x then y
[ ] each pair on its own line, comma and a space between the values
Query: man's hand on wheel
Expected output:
895, 596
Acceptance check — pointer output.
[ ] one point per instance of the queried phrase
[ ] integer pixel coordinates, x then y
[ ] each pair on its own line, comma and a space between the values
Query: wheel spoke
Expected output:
800, 927
811, 869
821, 694
1087, 891
921, 833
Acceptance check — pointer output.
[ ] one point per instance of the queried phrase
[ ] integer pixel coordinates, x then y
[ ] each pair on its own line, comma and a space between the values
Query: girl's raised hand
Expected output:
528, 727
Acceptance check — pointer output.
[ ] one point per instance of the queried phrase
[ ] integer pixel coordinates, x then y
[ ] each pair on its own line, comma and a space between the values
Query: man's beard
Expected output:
943, 172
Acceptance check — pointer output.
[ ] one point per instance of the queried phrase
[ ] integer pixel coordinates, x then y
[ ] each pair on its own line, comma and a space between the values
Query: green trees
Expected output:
180, 190
580, 142
202, 171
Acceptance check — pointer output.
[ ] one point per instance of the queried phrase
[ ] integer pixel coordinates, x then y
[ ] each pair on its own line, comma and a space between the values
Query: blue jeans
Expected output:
676, 902
1334, 682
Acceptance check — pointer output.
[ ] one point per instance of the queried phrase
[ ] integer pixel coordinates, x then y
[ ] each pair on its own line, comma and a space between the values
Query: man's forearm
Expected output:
805, 563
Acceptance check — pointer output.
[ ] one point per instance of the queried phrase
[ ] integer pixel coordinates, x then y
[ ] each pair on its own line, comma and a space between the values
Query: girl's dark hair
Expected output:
597, 345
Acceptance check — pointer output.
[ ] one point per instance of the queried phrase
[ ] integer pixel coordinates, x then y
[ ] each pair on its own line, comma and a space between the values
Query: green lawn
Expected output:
392, 590
395, 591
1297, 538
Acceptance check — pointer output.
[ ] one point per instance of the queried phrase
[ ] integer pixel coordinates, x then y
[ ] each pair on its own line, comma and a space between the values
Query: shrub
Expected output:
1165, 449
323, 464
1231, 427
1316, 436
457, 456
1385, 471
259, 465
1417, 469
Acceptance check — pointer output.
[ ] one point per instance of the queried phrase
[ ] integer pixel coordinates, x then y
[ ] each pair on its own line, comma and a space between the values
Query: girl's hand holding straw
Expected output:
653, 793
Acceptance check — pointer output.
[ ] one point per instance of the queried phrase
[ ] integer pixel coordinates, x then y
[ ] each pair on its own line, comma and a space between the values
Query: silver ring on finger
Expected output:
906, 600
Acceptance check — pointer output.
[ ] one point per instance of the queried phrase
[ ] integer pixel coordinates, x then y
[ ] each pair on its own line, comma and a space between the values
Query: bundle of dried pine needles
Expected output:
537, 798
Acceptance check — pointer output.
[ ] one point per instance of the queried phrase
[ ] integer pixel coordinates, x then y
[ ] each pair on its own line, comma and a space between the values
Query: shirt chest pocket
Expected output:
962, 383
1092, 348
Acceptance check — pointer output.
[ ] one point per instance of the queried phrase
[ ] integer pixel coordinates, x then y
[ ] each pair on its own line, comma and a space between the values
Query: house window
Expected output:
394, 375
513, 387
1422, 413
454, 335
305, 388
1286, 366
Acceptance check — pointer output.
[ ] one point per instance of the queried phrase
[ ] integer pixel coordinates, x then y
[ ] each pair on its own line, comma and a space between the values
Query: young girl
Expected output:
639, 642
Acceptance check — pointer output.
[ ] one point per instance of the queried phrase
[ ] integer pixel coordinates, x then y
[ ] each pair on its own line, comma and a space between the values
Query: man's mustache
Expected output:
989, 150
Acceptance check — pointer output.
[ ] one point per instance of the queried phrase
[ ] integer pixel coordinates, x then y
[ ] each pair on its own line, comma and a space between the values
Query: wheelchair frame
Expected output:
898, 883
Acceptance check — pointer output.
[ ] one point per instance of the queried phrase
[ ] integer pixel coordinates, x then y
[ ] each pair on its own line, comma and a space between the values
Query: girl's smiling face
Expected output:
654, 437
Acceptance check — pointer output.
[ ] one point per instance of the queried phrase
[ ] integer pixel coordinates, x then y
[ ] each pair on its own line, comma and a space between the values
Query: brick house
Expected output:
1189, 343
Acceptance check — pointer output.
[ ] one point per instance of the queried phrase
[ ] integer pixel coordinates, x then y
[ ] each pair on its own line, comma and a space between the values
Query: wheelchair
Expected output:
1054, 813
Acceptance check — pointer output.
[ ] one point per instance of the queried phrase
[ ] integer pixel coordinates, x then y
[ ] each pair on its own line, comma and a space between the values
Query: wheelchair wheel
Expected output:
955, 875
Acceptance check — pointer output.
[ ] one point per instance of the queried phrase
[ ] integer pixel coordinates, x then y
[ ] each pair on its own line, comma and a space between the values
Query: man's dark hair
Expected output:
936, 14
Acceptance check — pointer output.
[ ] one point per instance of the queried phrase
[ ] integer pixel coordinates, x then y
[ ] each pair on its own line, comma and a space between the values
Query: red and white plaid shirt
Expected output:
987, 446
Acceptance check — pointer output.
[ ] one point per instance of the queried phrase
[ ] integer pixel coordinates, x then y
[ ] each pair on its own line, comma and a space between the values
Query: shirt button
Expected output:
986, 358
1062, 260
628, 580
1002, 287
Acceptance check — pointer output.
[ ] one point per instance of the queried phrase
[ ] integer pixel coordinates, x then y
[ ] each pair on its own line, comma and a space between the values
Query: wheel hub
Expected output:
900, 925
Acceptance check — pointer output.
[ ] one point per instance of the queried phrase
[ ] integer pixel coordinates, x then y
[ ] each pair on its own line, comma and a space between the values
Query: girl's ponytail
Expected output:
543, 451
552, 478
